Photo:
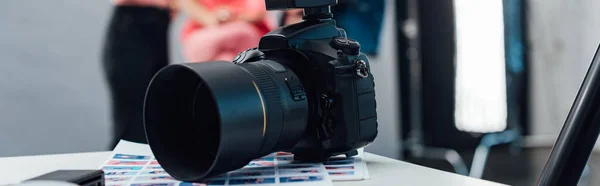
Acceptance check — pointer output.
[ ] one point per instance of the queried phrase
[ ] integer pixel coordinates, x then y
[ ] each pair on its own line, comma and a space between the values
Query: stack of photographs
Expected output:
340, 168
132, 164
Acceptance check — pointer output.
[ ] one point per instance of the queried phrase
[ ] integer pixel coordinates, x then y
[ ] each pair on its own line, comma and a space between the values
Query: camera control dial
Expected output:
346, 45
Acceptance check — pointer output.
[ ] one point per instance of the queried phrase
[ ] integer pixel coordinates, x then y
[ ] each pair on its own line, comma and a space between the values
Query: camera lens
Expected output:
205, 119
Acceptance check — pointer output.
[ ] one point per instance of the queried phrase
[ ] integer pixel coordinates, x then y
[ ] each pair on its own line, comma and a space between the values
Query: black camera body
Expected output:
305, 89
335, 80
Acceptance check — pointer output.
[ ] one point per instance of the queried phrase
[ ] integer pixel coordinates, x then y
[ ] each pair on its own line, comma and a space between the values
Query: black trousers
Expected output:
136, 47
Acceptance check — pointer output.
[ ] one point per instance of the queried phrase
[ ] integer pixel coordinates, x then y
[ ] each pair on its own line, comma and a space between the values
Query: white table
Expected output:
383, 171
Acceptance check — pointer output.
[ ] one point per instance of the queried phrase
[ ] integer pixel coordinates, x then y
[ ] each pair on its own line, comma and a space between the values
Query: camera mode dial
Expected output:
346, 45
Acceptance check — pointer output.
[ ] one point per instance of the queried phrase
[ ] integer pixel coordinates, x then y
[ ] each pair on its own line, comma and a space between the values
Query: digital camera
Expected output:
305, 89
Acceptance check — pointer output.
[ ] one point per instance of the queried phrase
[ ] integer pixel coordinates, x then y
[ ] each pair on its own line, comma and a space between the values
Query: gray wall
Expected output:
563, 38
384, 68
53, 97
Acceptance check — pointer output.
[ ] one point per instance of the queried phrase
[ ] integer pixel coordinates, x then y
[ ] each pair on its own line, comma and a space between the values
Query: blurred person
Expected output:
220, 29
215, 29
147, 3
292, 16
135, 48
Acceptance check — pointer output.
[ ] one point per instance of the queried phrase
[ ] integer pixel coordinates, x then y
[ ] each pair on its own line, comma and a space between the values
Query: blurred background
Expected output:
479, 88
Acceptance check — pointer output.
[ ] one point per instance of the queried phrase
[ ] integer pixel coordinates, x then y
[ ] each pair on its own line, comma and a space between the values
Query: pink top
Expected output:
237, 7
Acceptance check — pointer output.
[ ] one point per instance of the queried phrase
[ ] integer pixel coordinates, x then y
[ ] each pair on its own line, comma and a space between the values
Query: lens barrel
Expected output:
205, 119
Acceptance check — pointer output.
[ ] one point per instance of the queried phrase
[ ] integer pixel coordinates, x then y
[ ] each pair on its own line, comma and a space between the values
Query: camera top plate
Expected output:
289, 4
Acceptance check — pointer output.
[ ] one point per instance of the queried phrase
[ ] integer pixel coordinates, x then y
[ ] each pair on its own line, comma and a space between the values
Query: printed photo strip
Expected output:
296, 179
124, 162
153, 167
107, 174
154, 172
251, 181
255, 169
345, 173
293, 172
251, 174
296, 166
130, 157
118, 179
210, 183
154, 178
340, 168
154, 184
109, 168
261, 164
345, 161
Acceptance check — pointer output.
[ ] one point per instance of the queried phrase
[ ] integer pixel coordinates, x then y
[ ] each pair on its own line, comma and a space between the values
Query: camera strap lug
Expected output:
361, 69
